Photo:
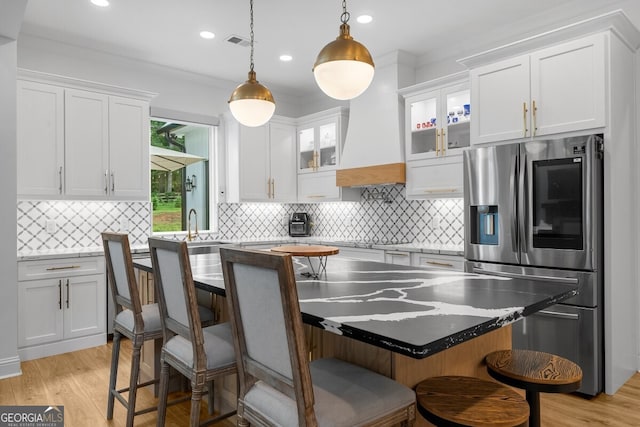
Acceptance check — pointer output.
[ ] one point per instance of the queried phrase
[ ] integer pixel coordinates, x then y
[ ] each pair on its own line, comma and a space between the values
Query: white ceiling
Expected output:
165, 32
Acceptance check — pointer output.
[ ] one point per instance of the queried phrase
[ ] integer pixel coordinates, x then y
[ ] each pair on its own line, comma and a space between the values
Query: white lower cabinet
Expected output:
447, 262
362, 254
61, 306
397, 257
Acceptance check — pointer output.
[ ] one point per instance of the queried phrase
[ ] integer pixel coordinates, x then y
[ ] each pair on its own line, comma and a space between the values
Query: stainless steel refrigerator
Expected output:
535, 209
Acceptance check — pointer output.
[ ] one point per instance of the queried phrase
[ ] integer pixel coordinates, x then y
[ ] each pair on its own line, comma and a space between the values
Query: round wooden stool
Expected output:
469, 401
535, 372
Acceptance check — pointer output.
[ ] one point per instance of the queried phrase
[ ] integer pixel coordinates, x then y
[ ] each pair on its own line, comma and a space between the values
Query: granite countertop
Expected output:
28, 255
412, 311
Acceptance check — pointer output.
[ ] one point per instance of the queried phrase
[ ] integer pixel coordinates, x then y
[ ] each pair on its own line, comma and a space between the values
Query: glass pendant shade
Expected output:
251, 103
344, 68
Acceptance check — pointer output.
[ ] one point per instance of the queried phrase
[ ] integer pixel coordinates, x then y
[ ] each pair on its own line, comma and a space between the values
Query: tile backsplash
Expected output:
383, 215
44, 225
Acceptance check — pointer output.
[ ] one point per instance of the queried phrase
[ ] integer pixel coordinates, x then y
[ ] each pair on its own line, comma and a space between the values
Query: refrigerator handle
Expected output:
514, 205
523, 196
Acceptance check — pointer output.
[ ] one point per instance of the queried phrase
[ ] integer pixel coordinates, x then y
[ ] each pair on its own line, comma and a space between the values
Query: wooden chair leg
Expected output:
133, 382
115, 354
164, 391
241, 422
196, 397
210, 397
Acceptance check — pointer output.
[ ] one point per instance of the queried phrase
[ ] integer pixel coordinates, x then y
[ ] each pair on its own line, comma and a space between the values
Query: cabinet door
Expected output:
327, 145
282, 144
84, 305
307, 149
362, 254
434, 178
397, 257
40, 126
40, 311
128, 148
254, 163
318, 187
500, 101
568, 86
446, 262
86, 143
456, 121
424, 119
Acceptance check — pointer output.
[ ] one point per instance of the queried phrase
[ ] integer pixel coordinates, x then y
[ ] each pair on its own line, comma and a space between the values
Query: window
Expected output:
182, 160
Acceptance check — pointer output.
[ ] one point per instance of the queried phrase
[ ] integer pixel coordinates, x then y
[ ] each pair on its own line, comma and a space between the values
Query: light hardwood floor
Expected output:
79, 381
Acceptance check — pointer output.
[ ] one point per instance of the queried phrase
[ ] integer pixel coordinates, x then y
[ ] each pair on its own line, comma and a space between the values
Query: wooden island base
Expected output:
463, 359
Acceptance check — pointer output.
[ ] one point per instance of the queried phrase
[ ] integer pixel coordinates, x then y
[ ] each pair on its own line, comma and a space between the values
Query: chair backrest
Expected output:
177, 298
267, 325
122, 278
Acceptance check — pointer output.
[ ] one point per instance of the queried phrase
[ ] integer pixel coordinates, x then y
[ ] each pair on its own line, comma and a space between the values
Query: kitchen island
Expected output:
405, 322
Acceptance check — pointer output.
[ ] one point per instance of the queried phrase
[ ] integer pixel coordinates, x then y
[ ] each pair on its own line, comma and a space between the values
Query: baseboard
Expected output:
10, 367
66, 346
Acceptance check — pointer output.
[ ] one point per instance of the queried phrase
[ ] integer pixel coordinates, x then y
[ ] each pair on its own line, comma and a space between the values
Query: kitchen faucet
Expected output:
189, 236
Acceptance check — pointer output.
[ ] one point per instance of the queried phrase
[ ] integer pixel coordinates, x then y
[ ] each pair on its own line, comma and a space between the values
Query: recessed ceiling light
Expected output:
286, 58
101, 3
207, 35
364, 19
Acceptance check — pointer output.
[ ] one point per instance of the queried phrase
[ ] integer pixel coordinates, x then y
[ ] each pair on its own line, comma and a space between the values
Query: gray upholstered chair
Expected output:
135, 321
200, 354
278, 384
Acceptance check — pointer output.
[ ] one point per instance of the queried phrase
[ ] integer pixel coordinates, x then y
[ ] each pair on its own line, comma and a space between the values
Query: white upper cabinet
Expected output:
268, 163
437, 120
86, 126
128, 147
40, 125
554, 90
76, 143
320, 139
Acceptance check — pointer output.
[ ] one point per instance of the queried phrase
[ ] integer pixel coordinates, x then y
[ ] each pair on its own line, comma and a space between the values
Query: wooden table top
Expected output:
307, 250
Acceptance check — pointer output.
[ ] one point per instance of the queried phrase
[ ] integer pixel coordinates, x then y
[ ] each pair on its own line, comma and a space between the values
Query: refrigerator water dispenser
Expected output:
484, 225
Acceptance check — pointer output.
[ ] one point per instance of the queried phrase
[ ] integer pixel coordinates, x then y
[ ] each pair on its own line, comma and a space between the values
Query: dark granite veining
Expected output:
409, 310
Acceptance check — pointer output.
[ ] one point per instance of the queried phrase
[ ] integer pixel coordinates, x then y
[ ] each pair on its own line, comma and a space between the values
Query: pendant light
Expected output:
344, 68
252, 103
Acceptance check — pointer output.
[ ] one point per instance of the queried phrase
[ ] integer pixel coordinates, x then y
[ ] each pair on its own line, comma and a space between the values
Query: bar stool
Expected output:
469, 401
535, 372
133, 320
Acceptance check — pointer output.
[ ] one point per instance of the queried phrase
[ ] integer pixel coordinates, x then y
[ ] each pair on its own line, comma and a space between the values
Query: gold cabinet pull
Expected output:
66, 267
524, 118
442, 144
442, 264
534, 110
437, 142
268, 188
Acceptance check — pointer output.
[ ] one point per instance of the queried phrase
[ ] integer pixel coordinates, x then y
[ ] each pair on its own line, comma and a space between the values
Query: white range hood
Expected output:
373, 151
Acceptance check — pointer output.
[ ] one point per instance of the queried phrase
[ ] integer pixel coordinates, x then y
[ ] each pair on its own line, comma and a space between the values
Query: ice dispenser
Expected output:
484, 225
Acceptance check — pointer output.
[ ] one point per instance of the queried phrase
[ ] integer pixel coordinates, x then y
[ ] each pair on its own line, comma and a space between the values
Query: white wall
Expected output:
13, 12
177, 90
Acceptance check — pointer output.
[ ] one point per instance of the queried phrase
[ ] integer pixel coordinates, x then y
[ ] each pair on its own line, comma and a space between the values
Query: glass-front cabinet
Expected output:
318, 145
437, 121
437, 124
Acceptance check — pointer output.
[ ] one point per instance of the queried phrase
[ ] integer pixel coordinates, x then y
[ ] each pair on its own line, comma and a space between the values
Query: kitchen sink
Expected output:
206, 246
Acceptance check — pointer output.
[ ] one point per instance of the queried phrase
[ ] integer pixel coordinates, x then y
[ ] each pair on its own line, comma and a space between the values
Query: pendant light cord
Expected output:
251, 32
345, 15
